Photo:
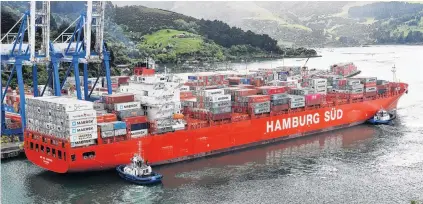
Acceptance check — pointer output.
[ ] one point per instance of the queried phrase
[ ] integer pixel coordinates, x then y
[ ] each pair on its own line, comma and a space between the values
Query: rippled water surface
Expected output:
363, 164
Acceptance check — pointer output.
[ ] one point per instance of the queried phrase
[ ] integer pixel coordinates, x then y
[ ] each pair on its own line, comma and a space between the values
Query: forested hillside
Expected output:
304, 23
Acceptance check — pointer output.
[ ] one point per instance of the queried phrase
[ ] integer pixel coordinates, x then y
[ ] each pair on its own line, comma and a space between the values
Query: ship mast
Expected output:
394, 75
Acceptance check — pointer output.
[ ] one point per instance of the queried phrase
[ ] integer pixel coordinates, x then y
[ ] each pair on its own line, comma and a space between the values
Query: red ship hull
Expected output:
190, 144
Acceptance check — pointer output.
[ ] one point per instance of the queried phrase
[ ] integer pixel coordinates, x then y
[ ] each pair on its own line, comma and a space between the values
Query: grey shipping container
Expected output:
297, 104
219, 104
280, 101
130, 113
381, 91
262, 110
278, 96
360, 90
105, 126
220, 110
106, 134
260, 105
99, 106
297, 98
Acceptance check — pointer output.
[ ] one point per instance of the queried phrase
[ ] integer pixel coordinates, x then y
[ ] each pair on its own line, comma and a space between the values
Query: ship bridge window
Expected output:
59, 154
87, 155
36, 147
48, 150
73, 157
53, 152
31, 145
42, 148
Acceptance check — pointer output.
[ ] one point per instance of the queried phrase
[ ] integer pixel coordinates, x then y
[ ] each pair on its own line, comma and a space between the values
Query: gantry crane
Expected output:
73, 49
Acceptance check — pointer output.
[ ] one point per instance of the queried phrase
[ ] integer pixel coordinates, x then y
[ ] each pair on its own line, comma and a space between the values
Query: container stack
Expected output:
355, 88
279, 102
137, 126
64, 118
370, 88
240, 102
319, 85
296, 101
302, 91
123, 105
219, 106
382, 86
344, 69
258, 104
207, 79
313, 99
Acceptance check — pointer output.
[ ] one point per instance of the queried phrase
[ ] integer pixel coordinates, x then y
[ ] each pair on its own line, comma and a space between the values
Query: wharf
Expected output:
12, 149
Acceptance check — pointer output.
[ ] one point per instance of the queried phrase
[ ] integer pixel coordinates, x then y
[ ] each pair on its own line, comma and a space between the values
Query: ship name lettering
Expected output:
293, 122
334, 114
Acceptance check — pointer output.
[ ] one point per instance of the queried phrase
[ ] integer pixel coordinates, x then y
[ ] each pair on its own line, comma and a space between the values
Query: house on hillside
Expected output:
180, 35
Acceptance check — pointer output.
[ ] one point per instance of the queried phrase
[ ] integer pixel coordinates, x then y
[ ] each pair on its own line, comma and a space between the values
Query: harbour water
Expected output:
362, 164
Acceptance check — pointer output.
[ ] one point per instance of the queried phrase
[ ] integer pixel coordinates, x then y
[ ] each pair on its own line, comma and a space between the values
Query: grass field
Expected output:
167, 38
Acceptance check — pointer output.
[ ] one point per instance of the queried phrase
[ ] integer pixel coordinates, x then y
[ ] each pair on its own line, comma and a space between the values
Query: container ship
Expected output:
171, 119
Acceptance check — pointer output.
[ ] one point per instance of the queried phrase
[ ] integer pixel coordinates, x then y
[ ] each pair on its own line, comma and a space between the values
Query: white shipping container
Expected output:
316, 82
211, 92
218, 98
371, 89
357, 86
321, 91
139, 133
120, 132
320, 87
82, 143
108, 134
105, 127
78, 115
82, 130
357, 91
297, 104
184, 88
351, 82
295, 98
83, 137
127, 106
81, 122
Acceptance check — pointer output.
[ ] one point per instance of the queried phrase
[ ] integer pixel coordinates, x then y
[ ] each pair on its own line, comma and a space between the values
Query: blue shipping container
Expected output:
139, 126
192, 77
119, 125
245, 81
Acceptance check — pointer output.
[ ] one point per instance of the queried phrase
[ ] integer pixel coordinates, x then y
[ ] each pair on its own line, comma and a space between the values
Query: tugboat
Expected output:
139, 172
382, 117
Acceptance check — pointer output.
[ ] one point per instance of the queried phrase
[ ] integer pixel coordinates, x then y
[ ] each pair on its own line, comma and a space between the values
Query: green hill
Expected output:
180, 42
308, 23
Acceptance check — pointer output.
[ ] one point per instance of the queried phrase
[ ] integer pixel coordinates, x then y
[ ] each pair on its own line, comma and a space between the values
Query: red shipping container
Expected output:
357, 95
370, 94
220, 116
371, 84
109, 117
118, 98
240, 109
382, 86
275, 90
313, 99
279, 107
258, 98
245, 92
123, 79
135, 120
245, 86
186, 94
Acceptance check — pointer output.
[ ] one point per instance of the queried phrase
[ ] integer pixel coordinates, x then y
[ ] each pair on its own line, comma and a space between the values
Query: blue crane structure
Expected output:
74, 49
